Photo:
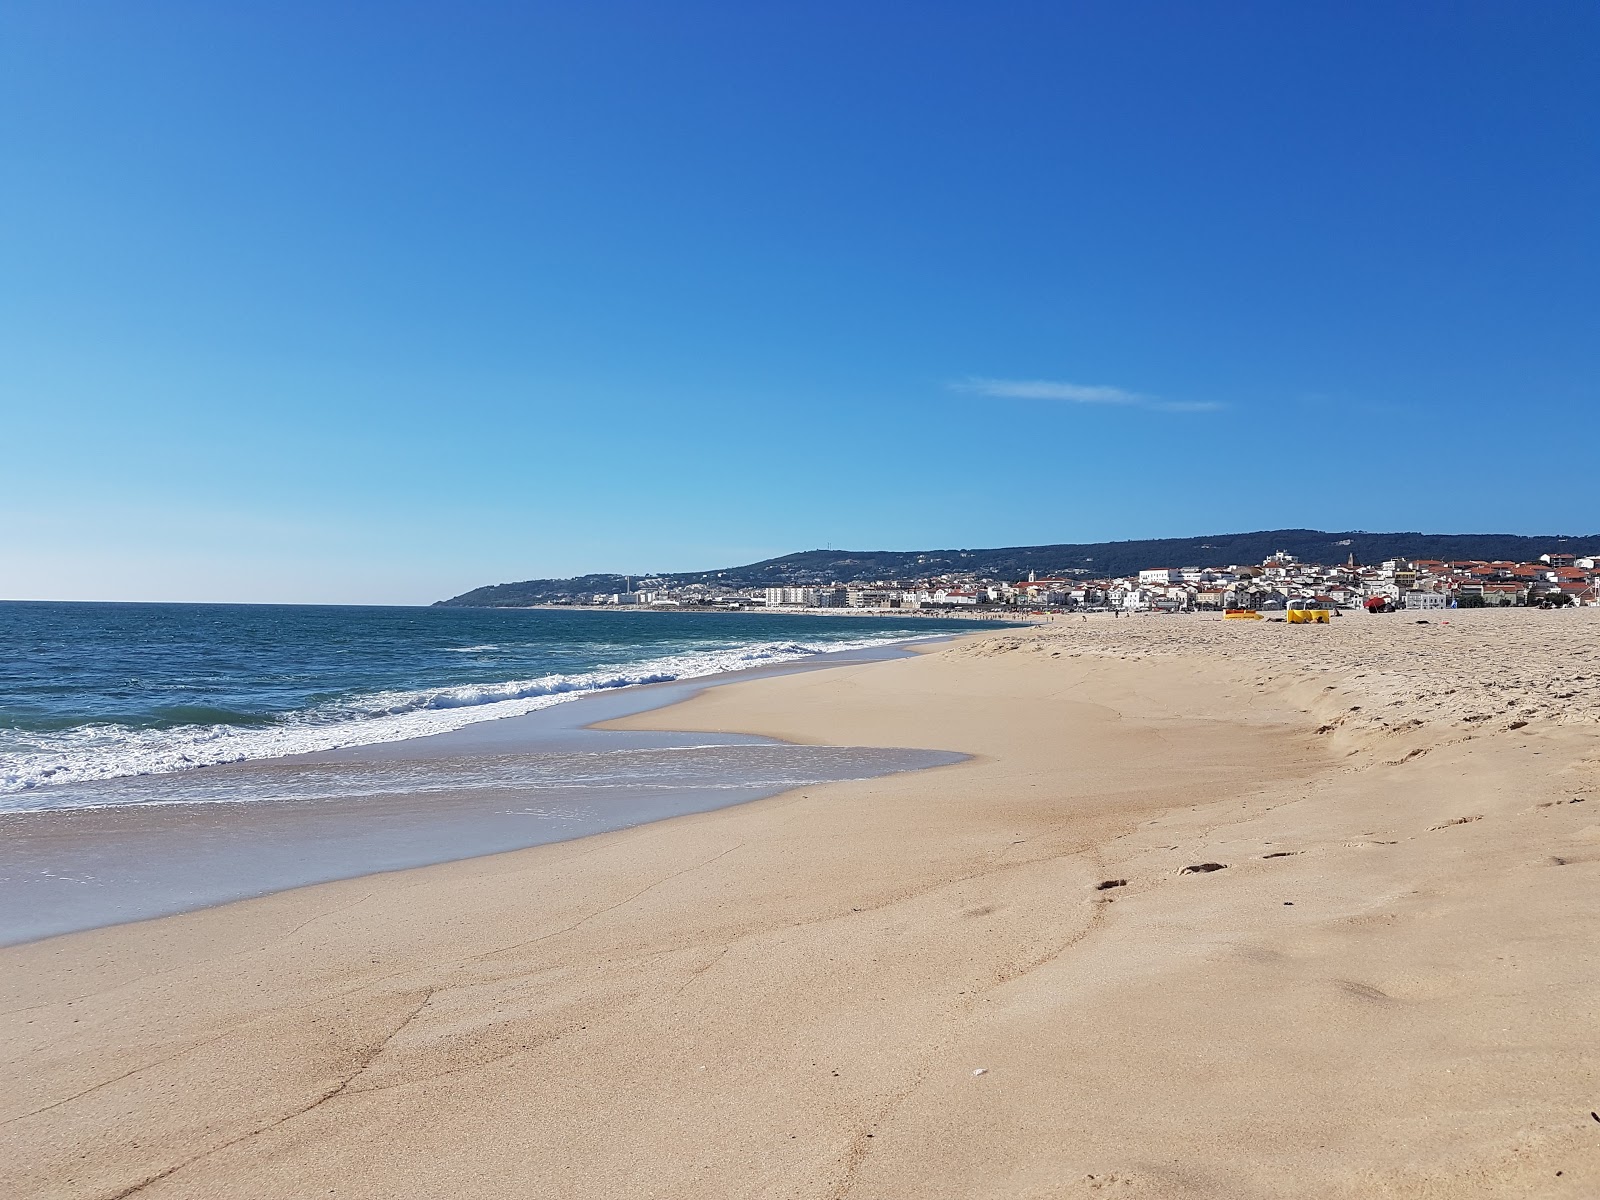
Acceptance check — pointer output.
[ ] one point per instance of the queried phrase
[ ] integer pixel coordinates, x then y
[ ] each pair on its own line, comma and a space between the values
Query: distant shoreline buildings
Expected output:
1554, 579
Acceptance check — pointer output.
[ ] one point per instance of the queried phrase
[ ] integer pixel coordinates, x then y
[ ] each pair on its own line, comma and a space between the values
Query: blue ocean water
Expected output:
105, 692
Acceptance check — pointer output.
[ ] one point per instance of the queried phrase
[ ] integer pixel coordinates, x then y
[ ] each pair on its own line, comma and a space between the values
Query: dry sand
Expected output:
917, 986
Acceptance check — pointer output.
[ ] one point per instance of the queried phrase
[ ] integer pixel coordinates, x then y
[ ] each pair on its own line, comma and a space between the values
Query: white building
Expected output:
1426, 600
784, 597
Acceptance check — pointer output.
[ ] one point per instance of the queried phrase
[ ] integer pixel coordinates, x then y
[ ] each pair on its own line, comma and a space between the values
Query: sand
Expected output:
921, 986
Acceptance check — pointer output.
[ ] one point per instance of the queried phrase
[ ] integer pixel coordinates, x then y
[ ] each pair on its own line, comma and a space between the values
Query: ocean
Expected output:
101, 692
156, 758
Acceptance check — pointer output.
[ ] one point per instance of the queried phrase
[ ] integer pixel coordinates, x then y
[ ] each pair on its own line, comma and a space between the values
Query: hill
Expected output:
1090, 559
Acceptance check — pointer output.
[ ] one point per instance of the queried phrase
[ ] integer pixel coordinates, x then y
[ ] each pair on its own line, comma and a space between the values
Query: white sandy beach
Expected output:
1346, 950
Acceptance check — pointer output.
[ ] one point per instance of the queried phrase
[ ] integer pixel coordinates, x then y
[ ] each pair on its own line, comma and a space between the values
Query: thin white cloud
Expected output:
1079, 393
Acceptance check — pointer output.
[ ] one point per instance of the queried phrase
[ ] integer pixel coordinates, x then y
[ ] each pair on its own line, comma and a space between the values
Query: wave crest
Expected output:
109, 751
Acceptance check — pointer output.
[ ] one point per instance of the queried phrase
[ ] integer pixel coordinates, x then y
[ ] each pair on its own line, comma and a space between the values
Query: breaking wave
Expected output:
109, 750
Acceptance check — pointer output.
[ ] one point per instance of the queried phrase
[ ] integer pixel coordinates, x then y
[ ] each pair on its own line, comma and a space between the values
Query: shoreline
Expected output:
74, 869
1206, 912
81, 757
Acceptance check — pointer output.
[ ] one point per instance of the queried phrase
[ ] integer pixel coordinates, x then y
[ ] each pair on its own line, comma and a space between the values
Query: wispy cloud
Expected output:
1079, 393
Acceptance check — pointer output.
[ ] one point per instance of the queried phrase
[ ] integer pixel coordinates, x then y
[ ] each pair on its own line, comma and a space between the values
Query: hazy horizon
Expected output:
682, 570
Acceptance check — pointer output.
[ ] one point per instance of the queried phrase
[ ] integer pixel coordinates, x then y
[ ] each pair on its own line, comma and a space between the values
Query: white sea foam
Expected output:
97, 752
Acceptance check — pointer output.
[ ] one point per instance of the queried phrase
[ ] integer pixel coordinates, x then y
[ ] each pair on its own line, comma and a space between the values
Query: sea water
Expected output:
159, 758
107, 692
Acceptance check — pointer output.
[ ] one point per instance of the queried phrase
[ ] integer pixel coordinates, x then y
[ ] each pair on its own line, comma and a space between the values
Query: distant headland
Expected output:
870, 574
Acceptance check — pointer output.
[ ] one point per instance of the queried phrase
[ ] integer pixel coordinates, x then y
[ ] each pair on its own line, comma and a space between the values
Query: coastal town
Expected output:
1554, 579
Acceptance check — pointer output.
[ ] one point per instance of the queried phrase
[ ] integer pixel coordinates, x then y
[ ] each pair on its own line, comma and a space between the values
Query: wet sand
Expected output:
1210, 911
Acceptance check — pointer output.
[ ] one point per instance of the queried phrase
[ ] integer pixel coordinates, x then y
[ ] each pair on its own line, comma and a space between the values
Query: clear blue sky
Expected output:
382, 301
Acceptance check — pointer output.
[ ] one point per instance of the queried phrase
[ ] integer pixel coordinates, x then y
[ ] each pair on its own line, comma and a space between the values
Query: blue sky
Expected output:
378, 302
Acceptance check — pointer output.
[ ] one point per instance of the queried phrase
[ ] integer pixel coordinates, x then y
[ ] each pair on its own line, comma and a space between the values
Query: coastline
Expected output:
917, 984
999, 618
430, 800
229, 684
